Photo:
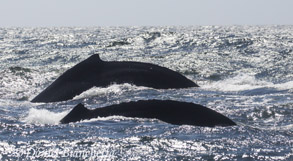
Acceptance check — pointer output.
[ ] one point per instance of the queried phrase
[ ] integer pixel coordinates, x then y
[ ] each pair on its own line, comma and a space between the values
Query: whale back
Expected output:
95, 72
173, 112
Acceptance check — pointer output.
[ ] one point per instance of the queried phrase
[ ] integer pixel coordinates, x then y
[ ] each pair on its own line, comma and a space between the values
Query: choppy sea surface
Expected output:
244, 72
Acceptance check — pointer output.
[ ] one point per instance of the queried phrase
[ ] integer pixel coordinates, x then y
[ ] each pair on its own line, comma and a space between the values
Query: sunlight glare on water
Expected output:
243, 72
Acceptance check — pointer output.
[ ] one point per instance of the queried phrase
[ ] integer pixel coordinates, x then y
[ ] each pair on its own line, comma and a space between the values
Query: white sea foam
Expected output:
117, 118
117, 89
43, 116
243, 82
283, 86
109, 118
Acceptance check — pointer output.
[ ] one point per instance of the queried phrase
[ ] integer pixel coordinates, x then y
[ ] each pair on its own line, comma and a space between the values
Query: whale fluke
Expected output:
96, 72
173, 112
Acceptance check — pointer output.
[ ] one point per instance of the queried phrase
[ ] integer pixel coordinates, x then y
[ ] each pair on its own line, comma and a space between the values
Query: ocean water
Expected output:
244, 72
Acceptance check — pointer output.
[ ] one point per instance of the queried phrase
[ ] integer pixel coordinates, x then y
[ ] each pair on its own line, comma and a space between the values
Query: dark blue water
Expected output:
245, 73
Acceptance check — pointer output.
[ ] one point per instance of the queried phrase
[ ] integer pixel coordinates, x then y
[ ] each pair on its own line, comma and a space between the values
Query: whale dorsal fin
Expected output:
79, 108
95, 57
79, 111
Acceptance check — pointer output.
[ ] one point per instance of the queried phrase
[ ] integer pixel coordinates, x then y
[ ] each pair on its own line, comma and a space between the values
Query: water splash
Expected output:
43, 116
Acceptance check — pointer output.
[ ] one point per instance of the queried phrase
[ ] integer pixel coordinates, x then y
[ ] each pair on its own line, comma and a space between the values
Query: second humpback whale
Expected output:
174, 112
95, 72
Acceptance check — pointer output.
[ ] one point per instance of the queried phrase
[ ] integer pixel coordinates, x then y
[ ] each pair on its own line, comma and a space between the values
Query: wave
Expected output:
116, 89
243, 82
43, 116
117, 118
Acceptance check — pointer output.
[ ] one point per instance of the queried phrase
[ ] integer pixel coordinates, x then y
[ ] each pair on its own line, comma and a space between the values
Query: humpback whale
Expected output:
95, 72
173, 112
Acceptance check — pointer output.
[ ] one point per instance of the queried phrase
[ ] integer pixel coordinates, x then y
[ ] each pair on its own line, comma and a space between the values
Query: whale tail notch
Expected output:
79, 112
